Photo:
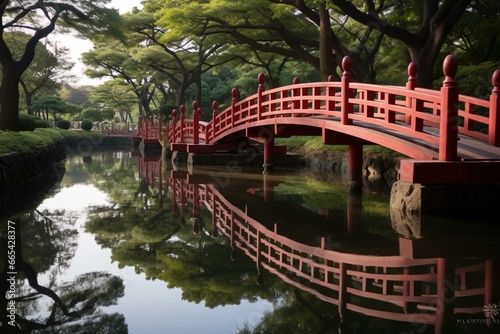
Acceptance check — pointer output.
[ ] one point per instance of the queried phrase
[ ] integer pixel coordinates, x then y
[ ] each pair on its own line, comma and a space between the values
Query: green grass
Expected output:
26, 142
296, 143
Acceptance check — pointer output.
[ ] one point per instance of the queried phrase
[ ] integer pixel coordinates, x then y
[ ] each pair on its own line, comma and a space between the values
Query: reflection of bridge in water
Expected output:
405, 286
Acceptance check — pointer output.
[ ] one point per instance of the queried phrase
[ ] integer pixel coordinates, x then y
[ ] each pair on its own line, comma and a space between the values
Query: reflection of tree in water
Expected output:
49, 236
309, 315
155, 243
83, 297
55, 307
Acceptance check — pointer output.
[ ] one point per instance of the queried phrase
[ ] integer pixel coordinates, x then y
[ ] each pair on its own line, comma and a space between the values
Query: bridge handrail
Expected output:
149, 128
405, 109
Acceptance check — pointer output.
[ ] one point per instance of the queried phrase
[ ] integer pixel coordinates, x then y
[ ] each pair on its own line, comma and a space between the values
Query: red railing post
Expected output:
494, 116
196, 122
331, 94
448, 128
296, 94
146, 134
411, 84
235, 93
160, 130
260, 99
139, 125
172, 127
181, 124
346, 92
215, 107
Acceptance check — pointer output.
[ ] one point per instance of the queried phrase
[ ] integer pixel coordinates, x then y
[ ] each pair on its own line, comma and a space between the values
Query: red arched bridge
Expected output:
450, 138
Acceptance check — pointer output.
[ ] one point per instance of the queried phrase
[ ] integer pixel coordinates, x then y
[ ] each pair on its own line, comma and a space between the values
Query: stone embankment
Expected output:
379, 172
17, 168
26, 177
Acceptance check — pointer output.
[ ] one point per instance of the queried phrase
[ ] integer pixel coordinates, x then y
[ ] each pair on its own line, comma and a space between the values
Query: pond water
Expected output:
125, 244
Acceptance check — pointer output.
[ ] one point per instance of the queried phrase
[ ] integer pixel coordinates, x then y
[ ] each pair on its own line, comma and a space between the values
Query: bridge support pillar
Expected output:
355, 168
268, 154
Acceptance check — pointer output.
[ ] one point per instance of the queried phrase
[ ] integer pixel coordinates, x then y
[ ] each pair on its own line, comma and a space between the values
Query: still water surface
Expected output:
123, 244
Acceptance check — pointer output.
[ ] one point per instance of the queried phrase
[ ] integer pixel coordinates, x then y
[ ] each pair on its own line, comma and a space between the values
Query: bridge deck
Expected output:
468, 148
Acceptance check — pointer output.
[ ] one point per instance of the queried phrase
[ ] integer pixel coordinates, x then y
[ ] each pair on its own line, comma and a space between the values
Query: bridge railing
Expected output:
389, 287
149, 128
404, 109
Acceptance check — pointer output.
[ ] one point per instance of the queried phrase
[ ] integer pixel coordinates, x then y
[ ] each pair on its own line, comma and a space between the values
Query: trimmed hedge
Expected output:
26, 123
30, 122
87, 125
63, 124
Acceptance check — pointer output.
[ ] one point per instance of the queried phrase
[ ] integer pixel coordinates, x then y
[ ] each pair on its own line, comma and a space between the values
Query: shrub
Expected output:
63, 124
87, 125
41, 123
26, 123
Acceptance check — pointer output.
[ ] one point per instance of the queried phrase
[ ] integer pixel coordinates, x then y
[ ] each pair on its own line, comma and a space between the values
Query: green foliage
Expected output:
27, 141
88, 18
41, 123
50, 103
87, 125
30, 122
63, 124
26, 123
475, 80
97, 114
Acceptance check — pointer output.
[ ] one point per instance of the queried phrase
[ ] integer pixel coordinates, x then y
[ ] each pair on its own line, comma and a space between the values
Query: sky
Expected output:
78, 46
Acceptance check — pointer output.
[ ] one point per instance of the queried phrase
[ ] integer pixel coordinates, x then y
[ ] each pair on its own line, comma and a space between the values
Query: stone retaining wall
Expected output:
16, 168
379, 173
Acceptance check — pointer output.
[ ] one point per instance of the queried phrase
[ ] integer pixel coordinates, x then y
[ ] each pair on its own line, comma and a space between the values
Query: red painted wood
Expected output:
407, 119
398, 287
494, 109
448, 125
437, 172
346, 92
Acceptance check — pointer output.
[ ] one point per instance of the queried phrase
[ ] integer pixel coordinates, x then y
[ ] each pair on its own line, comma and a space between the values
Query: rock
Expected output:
406, 197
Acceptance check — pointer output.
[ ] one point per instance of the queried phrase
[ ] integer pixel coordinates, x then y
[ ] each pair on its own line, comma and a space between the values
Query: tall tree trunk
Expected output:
28, 96
437, 19
9, 99
327, 61
144, 101
425, 56
181, 91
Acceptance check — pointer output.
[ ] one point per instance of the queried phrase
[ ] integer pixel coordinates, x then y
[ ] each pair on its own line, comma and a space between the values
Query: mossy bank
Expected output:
27, 155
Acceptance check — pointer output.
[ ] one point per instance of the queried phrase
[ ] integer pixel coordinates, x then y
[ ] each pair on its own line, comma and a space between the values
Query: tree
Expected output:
45, 72
48, 67
114, 96
180, 60
474, 45
49, 103
112, 59
39, 19
261, 25
429, 24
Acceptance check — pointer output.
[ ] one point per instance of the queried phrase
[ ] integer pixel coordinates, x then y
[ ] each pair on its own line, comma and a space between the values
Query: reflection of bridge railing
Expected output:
149, 129
427, 291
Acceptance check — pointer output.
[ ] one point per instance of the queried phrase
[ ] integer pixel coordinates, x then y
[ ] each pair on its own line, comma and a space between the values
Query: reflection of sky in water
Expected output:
148, 306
